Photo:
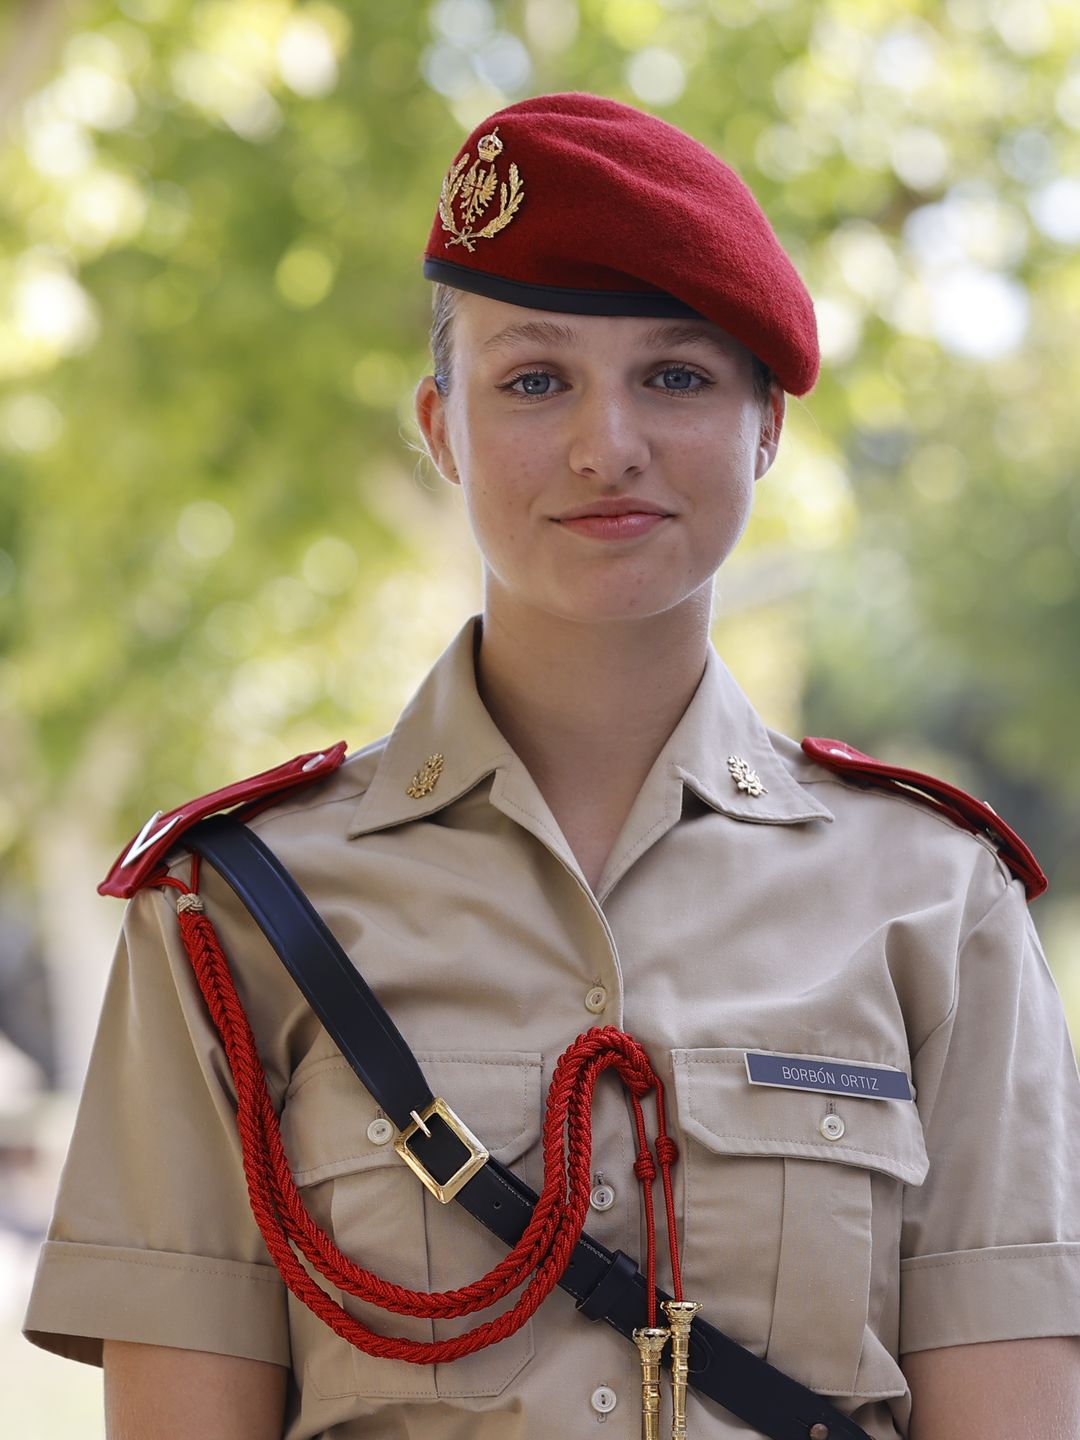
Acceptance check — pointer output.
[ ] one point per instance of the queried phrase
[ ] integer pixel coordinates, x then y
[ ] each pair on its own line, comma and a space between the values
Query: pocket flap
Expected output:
720, 1108
327, 1112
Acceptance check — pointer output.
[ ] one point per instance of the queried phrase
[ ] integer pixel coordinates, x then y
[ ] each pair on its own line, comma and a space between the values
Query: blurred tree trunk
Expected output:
29, 38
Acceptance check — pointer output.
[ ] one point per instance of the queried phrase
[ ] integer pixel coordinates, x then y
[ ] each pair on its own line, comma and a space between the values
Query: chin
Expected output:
614, 609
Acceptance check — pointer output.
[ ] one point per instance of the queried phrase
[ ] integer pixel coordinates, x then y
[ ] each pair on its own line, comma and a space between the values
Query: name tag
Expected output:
835, 1077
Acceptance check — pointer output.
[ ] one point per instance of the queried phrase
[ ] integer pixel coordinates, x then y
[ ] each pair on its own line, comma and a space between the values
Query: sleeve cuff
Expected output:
84, 1294
1012, 1292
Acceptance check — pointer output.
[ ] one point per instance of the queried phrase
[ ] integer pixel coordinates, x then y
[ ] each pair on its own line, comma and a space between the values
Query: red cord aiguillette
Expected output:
544, 1249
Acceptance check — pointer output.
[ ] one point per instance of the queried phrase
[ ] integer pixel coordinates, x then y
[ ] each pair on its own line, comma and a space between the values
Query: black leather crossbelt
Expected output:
607, 1286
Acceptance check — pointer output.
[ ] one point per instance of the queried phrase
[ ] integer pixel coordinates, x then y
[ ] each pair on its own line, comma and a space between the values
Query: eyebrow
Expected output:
687, 333
547, 332
539, 332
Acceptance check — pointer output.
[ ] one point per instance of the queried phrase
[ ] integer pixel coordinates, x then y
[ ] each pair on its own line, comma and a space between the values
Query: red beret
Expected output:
579, 204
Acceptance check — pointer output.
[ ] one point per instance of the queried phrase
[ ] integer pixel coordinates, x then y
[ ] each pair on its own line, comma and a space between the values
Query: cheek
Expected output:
501, 478
495, 514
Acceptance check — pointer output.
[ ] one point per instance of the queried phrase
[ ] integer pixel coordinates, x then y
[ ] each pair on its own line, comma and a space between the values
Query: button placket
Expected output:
596, 999
603, 1400
380, 1131
602, 1195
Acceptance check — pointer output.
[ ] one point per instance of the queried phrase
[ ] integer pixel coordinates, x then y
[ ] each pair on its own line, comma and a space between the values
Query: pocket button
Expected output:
602, 1197
832, 1127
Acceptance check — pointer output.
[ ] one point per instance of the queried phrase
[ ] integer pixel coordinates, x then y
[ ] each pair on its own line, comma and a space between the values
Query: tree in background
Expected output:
216, 547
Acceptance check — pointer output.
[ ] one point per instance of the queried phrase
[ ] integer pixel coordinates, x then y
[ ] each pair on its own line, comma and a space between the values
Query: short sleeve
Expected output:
991, 1241
152, 1238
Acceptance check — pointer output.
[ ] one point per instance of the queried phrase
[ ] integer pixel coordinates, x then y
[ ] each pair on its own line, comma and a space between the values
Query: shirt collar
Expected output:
720, 737
446, 718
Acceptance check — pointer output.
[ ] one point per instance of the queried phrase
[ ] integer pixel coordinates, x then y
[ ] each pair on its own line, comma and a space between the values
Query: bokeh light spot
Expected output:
463, 22
51, 307
656, 76
839, 329
103, 208
978, 313
448, 69
291, 604
938, 472
503, 63
304, 275
904, 56
632, 23
94, 98
56, 148
306, 57
30, 422
551, 26
380, 378
330, 566
1056, 210
205, 529
919, 158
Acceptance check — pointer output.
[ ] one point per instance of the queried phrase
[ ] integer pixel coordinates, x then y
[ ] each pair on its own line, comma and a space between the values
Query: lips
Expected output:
613, 508
624, 517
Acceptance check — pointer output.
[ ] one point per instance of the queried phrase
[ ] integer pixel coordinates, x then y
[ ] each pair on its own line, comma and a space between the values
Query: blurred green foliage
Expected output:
215, 545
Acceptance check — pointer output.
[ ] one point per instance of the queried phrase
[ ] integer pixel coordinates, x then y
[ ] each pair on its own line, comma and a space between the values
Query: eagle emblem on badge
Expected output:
469, 191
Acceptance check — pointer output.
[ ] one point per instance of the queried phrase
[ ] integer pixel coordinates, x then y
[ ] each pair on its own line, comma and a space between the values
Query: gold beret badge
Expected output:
471, 192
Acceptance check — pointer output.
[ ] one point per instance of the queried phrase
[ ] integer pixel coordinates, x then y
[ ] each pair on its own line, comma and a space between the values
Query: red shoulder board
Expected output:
143, 855
959, 807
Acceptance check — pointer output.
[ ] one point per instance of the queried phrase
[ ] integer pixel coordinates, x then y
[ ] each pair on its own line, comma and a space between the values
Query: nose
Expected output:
607, 442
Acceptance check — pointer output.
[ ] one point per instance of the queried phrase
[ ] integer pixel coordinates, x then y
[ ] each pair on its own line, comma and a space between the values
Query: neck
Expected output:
588, 707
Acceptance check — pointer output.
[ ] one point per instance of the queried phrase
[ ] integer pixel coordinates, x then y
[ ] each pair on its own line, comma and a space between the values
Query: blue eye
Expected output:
678, 378
533, 384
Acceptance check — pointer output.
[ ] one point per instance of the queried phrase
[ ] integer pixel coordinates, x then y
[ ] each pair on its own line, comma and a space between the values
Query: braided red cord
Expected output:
543, 1251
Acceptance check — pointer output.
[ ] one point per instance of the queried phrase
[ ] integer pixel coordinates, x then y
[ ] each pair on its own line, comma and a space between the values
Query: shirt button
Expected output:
379, 1131
603, 1399
596, 999
832, 1127
602, 1197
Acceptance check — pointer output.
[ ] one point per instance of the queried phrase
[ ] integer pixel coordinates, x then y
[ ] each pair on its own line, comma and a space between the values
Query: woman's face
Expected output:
607, 463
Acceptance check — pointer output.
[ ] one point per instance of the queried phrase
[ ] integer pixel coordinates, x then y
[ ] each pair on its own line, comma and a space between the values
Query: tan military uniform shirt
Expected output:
816, 920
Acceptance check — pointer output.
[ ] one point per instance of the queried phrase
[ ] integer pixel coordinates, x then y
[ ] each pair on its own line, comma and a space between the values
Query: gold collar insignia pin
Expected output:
426, 778
472, 190
746, 780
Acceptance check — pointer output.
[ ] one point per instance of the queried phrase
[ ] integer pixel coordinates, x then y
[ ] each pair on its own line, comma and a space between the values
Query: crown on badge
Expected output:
470, 192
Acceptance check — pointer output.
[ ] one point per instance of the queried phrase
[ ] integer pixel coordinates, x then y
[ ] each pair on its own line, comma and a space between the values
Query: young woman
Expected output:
579, 821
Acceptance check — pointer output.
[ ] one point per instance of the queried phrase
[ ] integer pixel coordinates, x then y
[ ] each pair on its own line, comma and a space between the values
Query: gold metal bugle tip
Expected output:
681, 1314
650, 1341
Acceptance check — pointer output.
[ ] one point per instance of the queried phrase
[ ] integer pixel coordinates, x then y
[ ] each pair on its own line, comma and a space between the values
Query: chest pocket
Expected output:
380, 1215
792, 1219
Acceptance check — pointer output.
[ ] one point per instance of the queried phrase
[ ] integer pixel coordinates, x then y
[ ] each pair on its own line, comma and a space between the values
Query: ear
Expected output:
772, 425
431, 418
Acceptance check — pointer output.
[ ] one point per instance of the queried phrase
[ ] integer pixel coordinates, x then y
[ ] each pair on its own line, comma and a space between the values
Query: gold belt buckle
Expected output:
477, 1157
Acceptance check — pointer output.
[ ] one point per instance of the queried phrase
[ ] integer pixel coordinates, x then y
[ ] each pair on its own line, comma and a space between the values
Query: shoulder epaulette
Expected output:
143, 855
955, 804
